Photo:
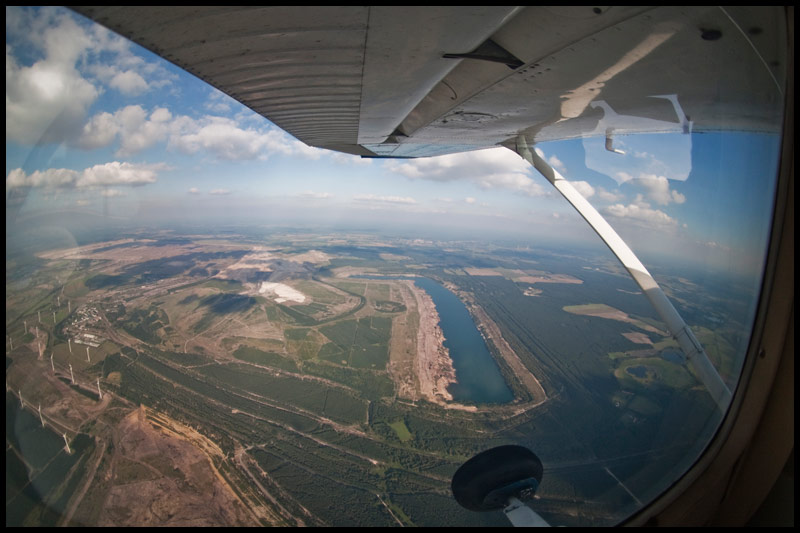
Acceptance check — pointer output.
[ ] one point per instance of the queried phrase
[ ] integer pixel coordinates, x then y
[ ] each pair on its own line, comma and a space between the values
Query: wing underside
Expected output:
420, 81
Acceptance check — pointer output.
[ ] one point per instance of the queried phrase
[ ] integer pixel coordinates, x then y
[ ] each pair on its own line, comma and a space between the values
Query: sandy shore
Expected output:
433, 365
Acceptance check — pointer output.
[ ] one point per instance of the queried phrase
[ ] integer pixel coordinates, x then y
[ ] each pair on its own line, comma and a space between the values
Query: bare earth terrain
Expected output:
610, 313
434, 366
149, 469
164, 476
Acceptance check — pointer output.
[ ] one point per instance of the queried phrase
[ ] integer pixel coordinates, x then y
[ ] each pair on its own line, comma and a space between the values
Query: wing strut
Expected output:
680, 331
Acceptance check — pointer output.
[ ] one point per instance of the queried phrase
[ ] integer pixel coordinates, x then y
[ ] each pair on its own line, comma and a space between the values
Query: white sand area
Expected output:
282, 292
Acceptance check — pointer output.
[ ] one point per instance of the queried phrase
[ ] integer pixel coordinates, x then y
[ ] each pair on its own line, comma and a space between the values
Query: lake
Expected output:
479, 378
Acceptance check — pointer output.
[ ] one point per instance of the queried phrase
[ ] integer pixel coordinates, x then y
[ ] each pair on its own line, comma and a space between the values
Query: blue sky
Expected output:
94, 122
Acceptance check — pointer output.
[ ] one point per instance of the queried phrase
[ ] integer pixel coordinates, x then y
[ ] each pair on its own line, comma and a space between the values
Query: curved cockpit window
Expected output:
209, 322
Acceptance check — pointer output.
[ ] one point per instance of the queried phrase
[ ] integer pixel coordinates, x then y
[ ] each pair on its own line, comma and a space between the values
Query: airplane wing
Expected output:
420, 81
387, 81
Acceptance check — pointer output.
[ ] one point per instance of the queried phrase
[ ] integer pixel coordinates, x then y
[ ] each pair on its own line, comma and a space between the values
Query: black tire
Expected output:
492, 470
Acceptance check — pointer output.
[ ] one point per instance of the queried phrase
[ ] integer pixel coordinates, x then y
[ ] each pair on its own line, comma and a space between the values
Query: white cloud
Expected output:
108, 174
224, 138
220, 192
657, 189
48, 100
99, 131
51, 178
311, 195
127, 73
302, 149
116, 173
622, 177
495, 168
641, 213
583, 187
469, 200
609, 196
136, 130
384, 199
67, 64
218, 102
160, 114
129, 83
57, 65
556, 163
194, 190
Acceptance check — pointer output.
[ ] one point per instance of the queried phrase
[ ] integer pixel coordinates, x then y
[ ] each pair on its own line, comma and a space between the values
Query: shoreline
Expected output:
433, 365
492, 334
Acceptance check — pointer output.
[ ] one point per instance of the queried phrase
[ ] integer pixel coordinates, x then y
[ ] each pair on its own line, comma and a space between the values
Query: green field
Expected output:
400, 428
309, 392
654, 371
362, 343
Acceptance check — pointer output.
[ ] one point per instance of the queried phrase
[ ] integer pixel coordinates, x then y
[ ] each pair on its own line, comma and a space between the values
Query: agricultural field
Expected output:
280, 380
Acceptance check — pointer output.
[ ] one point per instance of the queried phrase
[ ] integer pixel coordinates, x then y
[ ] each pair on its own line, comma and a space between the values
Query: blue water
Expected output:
479, 378
638, 371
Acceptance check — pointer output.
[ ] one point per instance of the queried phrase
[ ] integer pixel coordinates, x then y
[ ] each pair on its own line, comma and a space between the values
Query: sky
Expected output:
96, 123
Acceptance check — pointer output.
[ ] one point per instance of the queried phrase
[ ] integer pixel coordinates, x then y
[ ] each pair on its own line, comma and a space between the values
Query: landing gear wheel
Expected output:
488, 480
